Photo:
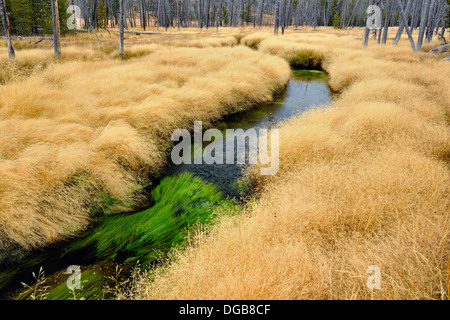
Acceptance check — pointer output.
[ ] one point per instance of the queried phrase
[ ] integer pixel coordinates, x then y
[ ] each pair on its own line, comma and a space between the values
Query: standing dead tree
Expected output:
56, 29
277, 16
402, 25
121, 20
423, 23
143, 15
386, 21
5, 22
405, 23
367, 30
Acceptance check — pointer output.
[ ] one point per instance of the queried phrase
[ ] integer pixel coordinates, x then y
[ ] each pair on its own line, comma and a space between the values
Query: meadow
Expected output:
363, 181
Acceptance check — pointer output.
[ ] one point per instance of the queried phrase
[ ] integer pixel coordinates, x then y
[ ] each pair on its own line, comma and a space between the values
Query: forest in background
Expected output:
27, 15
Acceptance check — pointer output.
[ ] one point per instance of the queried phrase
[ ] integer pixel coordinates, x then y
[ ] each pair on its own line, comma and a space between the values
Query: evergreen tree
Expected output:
248, 17
20, 17
26, 14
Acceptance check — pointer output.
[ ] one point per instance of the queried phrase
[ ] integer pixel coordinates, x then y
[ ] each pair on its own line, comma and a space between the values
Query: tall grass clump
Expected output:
84, 133
300, 55
362, 182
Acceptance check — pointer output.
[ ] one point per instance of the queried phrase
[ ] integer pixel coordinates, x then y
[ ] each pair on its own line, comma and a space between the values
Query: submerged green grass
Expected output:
180, 202
91, 288
307, 75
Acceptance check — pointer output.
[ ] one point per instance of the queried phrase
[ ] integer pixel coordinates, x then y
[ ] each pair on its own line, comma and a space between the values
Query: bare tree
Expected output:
143, 19
5, 22
260, 15
405, 23
56, 29
178, 16
423, 23
121, 20
93, 16
158, 16
277, 16
367, 31
430, 22
402, 25
208, 6
386, 21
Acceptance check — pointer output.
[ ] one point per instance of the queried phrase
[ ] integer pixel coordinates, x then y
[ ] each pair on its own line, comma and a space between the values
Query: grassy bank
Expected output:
80, 136
363, 182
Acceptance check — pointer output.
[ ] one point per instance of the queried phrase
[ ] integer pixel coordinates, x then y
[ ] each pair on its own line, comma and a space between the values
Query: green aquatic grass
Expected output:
92, 285
6, 276
180, 202
309, 75
91, 288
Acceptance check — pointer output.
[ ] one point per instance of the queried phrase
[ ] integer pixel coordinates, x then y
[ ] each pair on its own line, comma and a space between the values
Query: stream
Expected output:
188, 193
306, 89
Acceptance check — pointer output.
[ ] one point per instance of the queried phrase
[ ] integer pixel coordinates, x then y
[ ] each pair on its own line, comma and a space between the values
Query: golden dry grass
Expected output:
91, 125
362, 182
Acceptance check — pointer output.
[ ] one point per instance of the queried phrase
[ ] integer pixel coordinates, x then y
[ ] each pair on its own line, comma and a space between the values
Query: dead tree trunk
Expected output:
200, 14
56, 29
277, 16
367, 31
261, 14
386, 22
432, 20
423, 23
98, 39
402, 25
405, 22
443, 48
121, 19
157, 16
94, 14
111, 13
178, 17
220, 13
5, 22
352, 16
208, 7
143, 20
218, 17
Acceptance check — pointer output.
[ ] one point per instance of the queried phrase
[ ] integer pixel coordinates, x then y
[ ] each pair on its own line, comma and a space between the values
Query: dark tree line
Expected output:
25, 16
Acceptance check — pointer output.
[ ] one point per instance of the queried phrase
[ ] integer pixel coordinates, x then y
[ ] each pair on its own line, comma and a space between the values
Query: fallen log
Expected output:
109, 31
98, 39
36, 42
136, 32
26, 38
443, 48
139, 32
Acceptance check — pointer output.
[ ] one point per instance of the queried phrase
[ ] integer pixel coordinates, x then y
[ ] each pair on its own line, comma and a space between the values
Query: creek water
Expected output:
305, 90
